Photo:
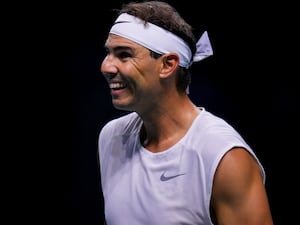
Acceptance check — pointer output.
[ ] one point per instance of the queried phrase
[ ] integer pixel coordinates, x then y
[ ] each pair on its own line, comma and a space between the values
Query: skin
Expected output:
238, 195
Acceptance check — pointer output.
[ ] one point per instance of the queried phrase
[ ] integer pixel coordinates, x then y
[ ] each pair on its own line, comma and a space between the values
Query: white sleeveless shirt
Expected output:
172, 187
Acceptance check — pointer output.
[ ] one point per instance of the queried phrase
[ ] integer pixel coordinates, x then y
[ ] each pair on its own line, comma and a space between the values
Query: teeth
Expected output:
116, 85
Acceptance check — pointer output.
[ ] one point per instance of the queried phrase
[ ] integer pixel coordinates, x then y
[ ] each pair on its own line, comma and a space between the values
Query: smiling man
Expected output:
169, 161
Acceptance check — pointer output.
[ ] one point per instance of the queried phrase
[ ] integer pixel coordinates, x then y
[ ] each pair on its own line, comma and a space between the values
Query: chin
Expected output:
122, 107
123, 104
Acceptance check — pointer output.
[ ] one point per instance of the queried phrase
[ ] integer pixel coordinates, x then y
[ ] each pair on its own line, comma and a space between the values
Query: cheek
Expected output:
148, 68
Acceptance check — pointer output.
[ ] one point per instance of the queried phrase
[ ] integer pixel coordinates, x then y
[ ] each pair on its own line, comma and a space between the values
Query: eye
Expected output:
124, 55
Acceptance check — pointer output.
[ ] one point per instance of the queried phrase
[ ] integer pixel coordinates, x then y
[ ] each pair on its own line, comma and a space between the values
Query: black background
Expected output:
251, 81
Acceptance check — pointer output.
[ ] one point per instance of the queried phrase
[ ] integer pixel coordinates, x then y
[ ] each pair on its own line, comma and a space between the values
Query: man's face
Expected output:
132, 74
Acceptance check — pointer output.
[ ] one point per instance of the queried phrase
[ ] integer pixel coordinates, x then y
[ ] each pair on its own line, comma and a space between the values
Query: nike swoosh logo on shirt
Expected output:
163, 177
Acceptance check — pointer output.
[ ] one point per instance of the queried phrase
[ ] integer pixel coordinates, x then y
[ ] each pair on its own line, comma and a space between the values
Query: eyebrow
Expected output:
119, 48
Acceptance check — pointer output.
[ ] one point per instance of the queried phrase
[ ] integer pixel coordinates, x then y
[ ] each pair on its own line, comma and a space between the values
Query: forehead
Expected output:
114, 41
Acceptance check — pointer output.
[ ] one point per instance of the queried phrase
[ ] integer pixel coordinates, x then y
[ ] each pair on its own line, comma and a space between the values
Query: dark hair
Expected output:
164, 15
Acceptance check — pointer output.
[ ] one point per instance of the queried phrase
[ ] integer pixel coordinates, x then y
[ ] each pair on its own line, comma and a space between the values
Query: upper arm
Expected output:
238, 194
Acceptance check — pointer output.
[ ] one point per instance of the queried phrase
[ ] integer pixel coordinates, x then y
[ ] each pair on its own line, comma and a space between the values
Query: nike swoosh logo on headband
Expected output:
121, 22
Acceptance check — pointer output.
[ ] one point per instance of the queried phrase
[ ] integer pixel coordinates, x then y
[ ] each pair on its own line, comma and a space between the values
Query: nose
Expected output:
108, 67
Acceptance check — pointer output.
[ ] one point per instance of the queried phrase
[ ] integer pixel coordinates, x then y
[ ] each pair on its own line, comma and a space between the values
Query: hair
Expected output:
164, 15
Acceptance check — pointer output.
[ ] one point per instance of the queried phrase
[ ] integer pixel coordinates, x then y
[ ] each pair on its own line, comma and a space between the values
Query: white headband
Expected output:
160, 40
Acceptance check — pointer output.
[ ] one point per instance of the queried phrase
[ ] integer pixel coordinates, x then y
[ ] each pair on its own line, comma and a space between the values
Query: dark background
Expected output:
250, 81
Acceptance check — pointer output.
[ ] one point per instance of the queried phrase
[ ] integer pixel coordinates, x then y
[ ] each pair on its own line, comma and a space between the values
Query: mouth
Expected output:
117, 85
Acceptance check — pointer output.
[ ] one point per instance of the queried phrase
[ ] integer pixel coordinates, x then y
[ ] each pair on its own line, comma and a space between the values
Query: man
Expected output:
168, 161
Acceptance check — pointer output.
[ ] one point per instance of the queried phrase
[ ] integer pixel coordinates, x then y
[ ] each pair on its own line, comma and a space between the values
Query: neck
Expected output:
165, 126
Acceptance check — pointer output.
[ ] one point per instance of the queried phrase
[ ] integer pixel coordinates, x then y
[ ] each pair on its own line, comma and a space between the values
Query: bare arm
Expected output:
239, 195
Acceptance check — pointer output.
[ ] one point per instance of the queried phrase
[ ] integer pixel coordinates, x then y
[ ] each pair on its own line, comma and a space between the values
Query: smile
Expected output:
117, 85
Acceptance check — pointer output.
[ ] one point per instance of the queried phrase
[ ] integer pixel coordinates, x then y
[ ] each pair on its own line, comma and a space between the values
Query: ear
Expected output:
170, 63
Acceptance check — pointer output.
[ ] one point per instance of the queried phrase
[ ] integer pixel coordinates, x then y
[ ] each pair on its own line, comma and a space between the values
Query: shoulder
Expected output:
121, 124
236, 169
216, 133
238, 186
216, 140
215, 124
